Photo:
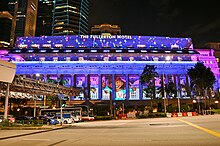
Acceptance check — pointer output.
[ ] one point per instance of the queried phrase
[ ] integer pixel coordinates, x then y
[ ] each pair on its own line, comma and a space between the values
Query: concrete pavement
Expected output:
190, 131
12, 132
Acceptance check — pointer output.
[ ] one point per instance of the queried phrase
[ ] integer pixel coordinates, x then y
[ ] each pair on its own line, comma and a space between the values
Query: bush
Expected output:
104, 118
152, 115
216, 111
5, 123
185, 108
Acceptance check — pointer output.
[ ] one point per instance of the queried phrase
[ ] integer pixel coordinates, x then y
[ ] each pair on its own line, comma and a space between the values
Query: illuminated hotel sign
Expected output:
105, 37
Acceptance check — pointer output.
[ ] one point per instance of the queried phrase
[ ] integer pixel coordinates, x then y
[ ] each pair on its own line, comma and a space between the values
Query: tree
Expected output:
60, 81
148, 77
202, 79
170, 89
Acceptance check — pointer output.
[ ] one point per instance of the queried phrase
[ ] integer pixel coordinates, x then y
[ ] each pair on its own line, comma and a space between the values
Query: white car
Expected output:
66, 119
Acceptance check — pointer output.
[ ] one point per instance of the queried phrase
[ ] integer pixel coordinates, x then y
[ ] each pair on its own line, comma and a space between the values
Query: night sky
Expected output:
197, 19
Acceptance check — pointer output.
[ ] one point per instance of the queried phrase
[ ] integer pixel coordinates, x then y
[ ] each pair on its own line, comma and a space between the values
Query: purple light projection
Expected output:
98, 41
106, 87
120, 87
94, 85
134, 87
80, 82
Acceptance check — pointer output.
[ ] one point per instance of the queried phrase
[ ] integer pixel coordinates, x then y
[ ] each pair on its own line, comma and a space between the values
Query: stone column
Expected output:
166, 79
88, 86
175, 82
100, 86
72, 80
188, 90
113, 86
178, 86
127, 86
112, 96
140, 90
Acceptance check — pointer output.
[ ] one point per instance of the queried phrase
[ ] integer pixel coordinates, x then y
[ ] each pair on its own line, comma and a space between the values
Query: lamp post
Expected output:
178, 96
6, 102
35, 96
216, 103
164, 91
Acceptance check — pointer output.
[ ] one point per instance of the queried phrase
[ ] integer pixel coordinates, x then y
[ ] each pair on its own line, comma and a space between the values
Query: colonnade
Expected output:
118, 86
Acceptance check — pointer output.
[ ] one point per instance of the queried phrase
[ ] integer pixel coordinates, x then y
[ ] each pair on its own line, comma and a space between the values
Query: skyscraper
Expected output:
26, 18
45, 17
7, 22
70, 17
5, 28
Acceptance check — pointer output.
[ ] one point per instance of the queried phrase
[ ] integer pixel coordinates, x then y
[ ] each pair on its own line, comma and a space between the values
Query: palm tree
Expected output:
60, 81
148, 77
202, 79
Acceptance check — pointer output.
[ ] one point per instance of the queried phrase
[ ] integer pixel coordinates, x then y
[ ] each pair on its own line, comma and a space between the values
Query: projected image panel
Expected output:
106, 87
120, 87
158, 87
147, 95
94, 87
183, 87
134, 87
80, 82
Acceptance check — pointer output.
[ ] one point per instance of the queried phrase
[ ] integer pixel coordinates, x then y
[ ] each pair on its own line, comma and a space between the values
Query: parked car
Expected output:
46, 119
11, 118
66, 118
24, 120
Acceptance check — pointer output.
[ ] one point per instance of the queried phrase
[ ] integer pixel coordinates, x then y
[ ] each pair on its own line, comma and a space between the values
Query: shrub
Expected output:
152, 115
104, 118
5, 123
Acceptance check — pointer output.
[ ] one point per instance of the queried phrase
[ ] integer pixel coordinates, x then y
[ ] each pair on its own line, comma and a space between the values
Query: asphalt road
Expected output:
185, 131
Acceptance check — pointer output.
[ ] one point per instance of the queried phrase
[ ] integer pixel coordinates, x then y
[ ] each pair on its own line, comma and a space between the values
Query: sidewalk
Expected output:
10, 132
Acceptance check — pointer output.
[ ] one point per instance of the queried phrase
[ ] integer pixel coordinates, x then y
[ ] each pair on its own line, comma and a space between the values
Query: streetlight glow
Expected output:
168, 58
37, 74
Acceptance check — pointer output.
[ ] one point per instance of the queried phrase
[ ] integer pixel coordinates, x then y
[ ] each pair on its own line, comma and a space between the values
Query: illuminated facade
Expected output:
70, 17
109, 66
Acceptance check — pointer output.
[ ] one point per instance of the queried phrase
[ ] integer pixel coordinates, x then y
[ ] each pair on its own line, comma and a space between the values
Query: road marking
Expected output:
57, 142
201, 128
34, 139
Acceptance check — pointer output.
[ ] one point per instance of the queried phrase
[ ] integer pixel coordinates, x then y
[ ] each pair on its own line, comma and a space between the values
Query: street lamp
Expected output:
216, 103
164, 91
37, 75
178, 98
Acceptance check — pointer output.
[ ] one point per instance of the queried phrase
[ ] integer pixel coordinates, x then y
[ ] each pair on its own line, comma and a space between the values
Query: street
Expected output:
190, 131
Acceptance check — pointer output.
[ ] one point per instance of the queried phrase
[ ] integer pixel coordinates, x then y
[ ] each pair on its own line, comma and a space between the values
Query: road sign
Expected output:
7, 71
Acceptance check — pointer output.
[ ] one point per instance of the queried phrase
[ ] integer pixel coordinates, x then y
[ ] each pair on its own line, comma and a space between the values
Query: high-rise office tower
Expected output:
70, 17
5, 28
45, 17
7, 22
26, 18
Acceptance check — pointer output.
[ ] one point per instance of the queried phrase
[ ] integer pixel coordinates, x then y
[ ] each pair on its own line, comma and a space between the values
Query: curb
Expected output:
37, 132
